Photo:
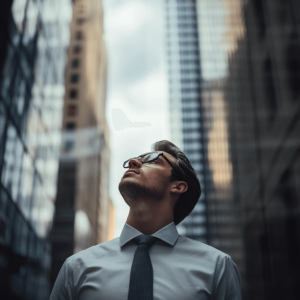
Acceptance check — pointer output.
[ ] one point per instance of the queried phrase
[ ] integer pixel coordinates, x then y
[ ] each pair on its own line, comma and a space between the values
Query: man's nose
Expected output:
135, 162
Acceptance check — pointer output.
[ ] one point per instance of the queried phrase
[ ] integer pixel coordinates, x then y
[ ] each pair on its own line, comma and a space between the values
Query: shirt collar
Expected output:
168, 234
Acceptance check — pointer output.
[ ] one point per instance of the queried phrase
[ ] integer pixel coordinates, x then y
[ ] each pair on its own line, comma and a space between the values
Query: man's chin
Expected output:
132, 190
128, 185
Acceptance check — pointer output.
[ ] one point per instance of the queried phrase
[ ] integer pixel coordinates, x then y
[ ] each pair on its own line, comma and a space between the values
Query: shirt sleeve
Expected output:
227, 281
63, 286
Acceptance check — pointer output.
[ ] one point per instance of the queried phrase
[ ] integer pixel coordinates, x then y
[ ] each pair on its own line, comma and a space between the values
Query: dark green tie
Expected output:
141, 276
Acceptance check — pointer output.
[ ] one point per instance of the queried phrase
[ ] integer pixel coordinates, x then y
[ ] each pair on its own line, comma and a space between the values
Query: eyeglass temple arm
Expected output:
170, 164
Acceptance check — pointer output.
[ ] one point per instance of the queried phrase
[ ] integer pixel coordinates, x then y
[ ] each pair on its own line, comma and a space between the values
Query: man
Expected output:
150, 260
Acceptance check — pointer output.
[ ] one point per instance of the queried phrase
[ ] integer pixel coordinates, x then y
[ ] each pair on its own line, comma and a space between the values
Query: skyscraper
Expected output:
83, 206
197, 90
221, 26
262, 94
185, 103
33, 56
250, 117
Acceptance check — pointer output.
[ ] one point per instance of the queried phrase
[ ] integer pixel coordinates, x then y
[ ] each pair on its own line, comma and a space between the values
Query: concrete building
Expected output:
84, 211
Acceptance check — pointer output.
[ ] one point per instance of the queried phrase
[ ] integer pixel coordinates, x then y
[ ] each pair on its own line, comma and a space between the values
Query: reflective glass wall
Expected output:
186, 113
263, 98
250, 98
35, 35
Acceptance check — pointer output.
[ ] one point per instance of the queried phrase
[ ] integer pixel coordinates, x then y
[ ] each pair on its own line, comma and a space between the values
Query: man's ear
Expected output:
179, 187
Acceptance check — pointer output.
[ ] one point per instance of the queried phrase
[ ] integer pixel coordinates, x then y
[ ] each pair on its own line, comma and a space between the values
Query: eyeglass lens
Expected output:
145, 158
149, 157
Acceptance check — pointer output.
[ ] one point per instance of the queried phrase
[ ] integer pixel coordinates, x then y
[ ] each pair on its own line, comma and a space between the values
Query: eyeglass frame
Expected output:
158, 155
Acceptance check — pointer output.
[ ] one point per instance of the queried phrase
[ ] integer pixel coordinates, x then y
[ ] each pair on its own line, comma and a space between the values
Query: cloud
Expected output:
137, 85
121, 121
133, 36
128, 18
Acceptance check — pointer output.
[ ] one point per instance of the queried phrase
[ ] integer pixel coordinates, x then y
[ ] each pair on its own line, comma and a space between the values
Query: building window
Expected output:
41, 152
74, 78
72, 110
293, 65
73, 94
260, 14
70, 126
77, 49
69, 145
270, 87
75, 63
79, 35
80, 21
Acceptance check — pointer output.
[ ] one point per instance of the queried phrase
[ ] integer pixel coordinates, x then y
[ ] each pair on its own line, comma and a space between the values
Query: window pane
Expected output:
79, 35
74, 78
69, 145
75, 63
70, 126
72, 110
73, 94
77, 49
80, 21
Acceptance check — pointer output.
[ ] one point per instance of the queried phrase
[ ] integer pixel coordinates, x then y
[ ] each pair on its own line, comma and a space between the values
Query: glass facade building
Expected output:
263, 98
186, 115
249, 98
35, 35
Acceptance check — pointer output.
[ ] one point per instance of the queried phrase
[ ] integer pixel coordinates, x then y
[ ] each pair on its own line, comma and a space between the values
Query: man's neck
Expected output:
148, 220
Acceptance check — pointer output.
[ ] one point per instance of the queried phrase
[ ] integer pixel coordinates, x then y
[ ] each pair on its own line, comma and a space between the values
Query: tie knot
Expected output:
145, 239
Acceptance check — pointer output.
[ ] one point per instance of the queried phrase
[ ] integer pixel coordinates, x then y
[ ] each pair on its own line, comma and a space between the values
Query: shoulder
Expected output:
216, 260
95, 252
199, 249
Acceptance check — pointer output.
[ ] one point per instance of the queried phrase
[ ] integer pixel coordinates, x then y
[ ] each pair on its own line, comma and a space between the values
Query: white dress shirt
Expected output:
183, 269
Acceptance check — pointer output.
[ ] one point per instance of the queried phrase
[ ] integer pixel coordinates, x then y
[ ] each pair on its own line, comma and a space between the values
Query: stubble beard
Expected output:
134, 191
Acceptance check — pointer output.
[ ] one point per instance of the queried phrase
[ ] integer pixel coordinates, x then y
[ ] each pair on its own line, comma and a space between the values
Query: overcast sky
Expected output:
137, 99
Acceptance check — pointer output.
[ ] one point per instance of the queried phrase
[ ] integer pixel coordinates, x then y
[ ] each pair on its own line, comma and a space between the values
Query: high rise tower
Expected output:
33, 41
185, 101
83, 206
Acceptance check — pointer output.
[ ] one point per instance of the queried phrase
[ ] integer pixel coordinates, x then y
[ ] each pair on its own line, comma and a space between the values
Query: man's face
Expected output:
146, 180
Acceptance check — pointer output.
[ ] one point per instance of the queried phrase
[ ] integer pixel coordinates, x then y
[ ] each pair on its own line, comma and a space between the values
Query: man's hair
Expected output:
187, 200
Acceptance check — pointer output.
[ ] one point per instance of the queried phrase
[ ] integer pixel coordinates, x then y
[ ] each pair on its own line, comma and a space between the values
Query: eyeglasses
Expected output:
149, 157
